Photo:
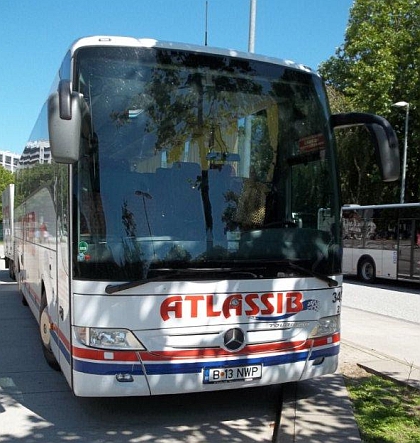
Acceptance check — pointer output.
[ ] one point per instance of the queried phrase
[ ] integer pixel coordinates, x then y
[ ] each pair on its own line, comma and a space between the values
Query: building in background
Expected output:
9, 160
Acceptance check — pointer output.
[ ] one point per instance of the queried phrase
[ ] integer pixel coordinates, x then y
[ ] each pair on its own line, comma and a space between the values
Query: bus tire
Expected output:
11, 267
367, 270
20, 289
45, 333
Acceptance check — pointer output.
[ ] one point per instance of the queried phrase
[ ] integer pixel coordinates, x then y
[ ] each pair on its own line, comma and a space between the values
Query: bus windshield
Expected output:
201, 161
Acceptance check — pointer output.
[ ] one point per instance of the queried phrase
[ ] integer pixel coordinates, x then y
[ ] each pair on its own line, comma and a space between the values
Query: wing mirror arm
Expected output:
383, 137
64, 99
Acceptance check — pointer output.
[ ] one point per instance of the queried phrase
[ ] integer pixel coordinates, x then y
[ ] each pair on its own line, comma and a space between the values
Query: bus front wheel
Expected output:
45, 332
367, 270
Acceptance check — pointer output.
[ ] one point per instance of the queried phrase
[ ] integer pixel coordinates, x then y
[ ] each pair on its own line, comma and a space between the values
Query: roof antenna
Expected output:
205, 33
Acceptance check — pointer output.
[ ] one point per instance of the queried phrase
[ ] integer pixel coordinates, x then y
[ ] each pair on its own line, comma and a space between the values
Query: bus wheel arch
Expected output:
45, 332
366, 269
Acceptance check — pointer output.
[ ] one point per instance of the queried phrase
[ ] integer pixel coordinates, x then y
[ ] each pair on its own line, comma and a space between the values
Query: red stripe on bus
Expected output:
251, 350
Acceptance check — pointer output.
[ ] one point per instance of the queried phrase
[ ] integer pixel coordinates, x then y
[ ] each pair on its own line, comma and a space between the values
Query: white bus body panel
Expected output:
385, 261
180, 351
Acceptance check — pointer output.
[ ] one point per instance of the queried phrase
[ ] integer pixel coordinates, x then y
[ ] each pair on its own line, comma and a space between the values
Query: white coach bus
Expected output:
156, 246
382, 241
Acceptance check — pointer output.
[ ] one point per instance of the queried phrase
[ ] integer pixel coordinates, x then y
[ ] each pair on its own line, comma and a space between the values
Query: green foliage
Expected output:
6, 178
378, 65
384, 410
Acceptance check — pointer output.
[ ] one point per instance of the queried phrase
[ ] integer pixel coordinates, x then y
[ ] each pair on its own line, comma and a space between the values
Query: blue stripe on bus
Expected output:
63, 349
109, 368
327, 352
106, 368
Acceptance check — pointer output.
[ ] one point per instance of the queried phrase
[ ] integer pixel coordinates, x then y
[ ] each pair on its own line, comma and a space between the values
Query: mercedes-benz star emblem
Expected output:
234, 339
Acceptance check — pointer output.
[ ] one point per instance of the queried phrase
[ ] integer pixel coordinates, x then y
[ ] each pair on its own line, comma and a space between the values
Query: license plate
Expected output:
232, 373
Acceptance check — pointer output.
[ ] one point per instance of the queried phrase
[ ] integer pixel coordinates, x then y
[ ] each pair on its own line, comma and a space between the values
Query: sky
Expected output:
35, 35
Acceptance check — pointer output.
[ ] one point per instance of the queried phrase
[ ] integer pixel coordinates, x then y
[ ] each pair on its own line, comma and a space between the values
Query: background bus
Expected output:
382, 241
158, 249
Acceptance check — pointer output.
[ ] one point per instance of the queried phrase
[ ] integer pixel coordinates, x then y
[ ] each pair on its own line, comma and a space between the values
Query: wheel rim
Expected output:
367, 271
44, 326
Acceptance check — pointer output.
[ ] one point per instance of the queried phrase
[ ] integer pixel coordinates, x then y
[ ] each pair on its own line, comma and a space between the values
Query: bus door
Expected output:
409, 249
62, 273
416, 250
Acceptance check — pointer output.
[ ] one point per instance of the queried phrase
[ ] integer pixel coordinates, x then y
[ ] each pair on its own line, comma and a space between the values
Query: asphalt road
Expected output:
400, 300
380, 328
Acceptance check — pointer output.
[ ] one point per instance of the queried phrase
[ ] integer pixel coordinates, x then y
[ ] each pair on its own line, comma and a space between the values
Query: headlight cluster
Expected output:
108, 338
326, 326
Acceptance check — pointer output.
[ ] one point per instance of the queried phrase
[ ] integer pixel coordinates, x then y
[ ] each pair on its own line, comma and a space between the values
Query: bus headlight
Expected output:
108, 338
326, 326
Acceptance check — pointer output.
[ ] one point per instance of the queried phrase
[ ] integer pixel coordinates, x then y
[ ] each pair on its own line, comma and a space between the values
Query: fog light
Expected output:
318, 361
124, 378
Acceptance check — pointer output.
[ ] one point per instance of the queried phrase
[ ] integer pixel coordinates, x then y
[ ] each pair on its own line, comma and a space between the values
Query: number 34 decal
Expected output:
336, 298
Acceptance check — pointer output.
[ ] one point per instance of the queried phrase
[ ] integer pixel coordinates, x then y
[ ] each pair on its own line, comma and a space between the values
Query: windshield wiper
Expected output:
172, 272
331, 282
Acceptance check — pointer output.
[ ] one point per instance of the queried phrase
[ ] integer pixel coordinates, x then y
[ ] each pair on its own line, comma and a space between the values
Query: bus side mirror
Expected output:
65, 118
383, 136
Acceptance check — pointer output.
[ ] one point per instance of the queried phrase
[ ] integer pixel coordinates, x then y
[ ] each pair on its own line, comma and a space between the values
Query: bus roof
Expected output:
386, 206
149, 43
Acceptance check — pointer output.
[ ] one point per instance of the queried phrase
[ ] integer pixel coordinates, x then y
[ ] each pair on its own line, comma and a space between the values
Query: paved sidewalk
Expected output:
318, 411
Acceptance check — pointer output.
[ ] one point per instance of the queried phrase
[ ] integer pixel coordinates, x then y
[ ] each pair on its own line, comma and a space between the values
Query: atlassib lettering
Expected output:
253, 304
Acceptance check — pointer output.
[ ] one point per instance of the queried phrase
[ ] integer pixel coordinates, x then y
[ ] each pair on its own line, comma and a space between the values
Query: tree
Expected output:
378, 65
6, 177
